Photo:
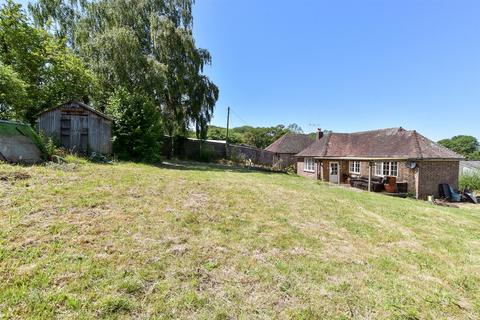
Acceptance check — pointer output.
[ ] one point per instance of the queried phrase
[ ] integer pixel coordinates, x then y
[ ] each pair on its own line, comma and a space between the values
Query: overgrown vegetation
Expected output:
37, 70
470, 181
136, 60
210, 242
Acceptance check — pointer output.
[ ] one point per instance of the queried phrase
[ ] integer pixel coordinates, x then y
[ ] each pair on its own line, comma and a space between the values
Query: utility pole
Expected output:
226, 138
228, 123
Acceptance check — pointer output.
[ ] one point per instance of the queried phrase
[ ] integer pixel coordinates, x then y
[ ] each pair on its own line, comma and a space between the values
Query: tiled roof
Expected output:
290, 143
395, 143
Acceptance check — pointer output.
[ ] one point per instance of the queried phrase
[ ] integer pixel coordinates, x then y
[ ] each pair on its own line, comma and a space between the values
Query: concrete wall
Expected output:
18, 148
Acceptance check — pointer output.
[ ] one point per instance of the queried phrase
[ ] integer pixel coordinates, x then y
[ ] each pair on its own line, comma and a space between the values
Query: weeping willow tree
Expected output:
143, 47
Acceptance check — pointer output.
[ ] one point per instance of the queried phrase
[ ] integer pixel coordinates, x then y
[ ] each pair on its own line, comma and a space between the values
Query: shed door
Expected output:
65, 131
75, 132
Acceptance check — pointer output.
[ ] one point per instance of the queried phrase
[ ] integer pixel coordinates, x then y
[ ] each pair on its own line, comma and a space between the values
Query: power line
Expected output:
238, 116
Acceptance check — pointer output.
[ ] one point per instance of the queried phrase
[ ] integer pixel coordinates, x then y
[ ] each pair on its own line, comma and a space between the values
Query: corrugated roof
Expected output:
290, 143
395, 143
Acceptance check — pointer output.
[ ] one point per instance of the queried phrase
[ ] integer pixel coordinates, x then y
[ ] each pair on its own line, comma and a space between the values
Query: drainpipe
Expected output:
369, 176
321, 170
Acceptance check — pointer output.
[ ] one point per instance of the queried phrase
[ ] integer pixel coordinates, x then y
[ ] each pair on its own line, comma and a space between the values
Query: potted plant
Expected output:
390, 184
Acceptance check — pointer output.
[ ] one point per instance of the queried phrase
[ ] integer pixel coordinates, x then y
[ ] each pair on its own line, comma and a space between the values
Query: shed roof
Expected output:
391, 143
80, 104
290, 143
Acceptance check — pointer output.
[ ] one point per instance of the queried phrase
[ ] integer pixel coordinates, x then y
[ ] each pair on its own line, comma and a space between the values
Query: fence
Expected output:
245, 153
208, 150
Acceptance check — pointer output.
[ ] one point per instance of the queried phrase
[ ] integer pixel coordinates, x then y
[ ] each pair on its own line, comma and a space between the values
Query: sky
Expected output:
345, 65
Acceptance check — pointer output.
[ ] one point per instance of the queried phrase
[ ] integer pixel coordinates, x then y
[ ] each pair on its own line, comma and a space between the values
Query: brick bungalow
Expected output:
404, 154
286, 147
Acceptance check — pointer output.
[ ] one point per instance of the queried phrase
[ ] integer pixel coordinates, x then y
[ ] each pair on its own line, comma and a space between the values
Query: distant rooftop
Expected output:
291, 143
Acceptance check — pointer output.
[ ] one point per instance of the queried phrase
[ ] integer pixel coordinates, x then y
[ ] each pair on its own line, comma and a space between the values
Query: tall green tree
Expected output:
13, 92
144, 46
39, 68
468, 146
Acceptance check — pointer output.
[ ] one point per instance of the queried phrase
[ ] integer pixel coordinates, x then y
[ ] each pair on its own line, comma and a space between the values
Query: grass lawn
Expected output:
209, 242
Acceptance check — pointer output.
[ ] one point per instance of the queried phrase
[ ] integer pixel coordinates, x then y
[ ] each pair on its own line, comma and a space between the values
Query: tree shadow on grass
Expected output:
214, 167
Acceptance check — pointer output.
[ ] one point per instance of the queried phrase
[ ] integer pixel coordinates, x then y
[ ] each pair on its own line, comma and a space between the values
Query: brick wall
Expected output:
325, 166
432, 173
422, 181
404, 174
308, 174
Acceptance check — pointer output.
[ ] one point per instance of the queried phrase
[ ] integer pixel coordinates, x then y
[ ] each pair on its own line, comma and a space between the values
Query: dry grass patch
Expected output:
196, 241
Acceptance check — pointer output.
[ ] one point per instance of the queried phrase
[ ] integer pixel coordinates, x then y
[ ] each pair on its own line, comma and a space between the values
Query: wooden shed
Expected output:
77, 127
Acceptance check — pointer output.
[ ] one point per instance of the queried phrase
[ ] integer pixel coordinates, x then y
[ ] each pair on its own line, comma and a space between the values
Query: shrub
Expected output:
291, 169
470, 181
48, 145
138, 133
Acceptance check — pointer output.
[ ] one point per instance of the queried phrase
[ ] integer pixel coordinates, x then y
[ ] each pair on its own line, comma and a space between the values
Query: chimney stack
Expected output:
319, 134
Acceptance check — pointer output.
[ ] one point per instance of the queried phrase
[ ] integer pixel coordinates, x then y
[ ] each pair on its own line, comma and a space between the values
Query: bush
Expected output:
48, 146
291, 169
137, 129
470, 181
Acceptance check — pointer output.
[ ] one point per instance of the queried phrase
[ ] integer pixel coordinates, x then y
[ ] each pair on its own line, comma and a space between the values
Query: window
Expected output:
386, 168
354, 167
309, 165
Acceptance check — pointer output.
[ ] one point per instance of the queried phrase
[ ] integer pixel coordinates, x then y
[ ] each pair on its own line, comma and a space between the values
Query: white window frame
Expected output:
309, 165
352, 165
386, 168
